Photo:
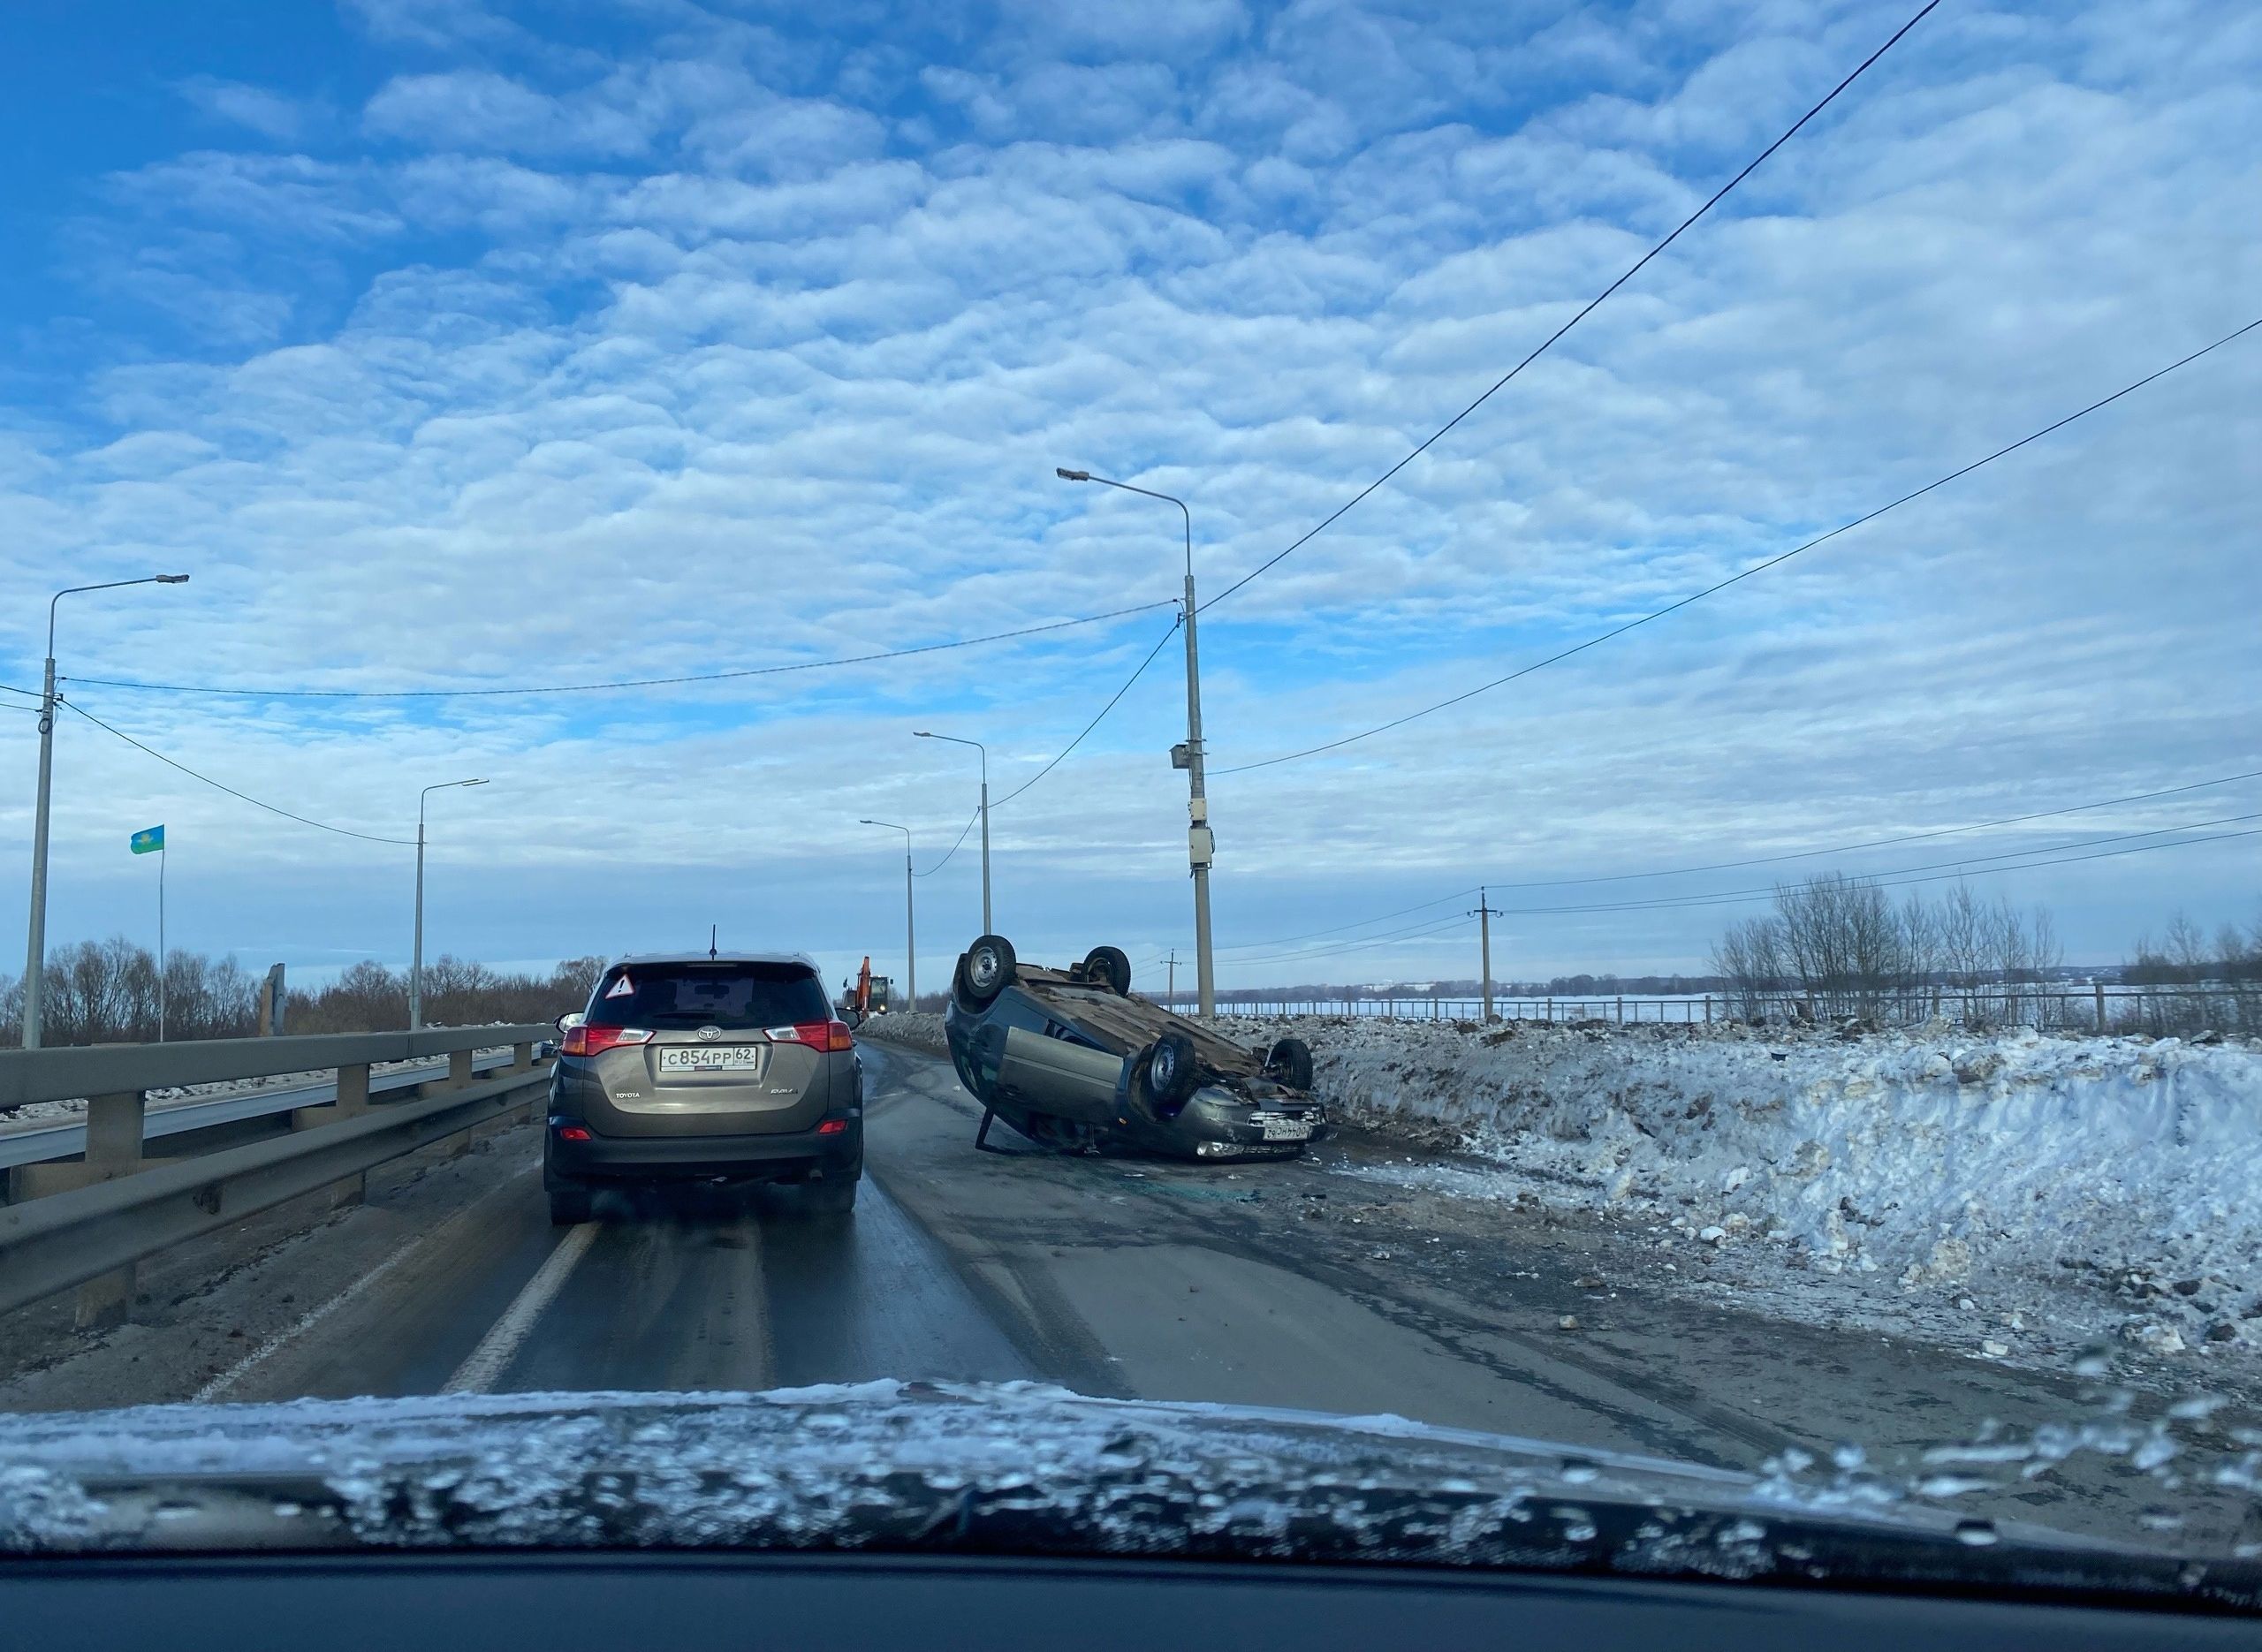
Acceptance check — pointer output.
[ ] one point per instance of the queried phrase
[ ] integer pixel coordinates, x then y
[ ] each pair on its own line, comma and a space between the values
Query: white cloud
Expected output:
268, 113
656, 365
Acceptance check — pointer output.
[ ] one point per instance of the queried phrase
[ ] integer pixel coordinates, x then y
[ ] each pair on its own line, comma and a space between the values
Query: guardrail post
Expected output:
2099, 987
352, 1102
522, 1057
114, 1126
459, 1068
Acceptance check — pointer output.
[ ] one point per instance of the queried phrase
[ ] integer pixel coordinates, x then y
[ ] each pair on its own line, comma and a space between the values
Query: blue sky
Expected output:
452, 346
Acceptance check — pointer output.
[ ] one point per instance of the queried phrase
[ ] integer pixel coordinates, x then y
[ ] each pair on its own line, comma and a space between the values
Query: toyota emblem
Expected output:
710, 1033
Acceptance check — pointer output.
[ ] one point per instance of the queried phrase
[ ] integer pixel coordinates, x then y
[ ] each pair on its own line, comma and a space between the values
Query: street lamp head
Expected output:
1071, 475
172, 578
475, 782
921, 734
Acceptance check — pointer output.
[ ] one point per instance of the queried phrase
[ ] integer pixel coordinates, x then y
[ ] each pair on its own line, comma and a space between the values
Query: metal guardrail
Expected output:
65, 1074
62, 1139
49, 1245
87, 1223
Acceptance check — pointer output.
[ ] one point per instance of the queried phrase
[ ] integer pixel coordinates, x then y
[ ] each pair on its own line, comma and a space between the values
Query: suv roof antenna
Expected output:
712, 929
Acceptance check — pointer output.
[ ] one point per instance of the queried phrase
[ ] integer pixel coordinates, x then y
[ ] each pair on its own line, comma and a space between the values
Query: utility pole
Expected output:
417, 959
1484, 913
36, 941
910, 929
924, 734
1200, 844
1171, 996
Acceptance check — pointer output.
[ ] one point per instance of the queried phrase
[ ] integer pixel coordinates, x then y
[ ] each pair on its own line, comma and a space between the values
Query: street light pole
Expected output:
987, 927
1201, 844
36, 945
910, 931
416, 959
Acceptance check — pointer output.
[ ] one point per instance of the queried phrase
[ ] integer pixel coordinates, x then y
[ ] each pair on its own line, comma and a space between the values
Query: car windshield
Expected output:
1128, 748
733, 996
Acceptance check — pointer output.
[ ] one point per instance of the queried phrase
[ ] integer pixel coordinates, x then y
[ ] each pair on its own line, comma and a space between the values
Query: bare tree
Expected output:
1749, 960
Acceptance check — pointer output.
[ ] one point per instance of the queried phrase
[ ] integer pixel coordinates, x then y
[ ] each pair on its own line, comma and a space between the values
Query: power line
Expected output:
1977, 863
638, 682
1759, 567
1459, 921
1094, 722
946, 861
1772, 860
221, 786
1896, 881
1065, 750
1591, 306
1361, 923
1744, 899
1881, 842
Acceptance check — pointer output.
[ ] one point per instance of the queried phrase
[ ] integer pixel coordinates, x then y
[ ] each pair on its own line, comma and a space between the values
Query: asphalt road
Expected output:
1302, 1284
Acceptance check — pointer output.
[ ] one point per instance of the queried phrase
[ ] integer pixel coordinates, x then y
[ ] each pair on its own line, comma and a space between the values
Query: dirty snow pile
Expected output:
1937, 1154
914, 1028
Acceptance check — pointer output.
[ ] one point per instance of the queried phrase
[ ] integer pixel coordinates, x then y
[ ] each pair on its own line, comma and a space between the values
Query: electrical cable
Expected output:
638, 682
946, 861
1664, 903
1359, 923
1094, 722
1592, 305
342, 831
1733, 578
1896, 881
1772, 860
1071, 747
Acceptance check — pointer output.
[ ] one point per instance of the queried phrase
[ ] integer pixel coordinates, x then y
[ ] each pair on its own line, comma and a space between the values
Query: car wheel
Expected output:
986, 970
1107, 966
1290, 1062
833, 1198
1170, 1070
569, 1207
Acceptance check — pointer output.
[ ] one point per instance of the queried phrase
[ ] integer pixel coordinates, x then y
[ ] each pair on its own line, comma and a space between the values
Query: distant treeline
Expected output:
105, 992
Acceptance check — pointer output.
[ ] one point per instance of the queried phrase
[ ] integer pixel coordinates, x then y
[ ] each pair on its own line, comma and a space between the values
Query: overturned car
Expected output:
1072, 1061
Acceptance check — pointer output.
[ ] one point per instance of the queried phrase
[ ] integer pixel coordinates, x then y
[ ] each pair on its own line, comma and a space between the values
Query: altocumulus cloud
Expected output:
680, 342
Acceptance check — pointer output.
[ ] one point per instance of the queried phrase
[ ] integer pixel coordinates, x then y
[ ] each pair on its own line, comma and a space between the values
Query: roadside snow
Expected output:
1936, 1158
914, 1028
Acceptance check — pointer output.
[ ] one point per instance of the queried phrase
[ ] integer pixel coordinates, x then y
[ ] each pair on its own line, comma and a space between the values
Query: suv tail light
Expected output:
815, 1034
584, 1040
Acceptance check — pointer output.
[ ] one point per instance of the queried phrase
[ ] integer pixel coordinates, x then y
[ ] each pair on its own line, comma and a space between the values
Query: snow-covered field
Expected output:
2016, 1166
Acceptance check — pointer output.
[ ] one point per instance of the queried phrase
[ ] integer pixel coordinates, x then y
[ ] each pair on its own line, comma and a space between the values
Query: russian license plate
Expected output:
1285, 1126
710, 1057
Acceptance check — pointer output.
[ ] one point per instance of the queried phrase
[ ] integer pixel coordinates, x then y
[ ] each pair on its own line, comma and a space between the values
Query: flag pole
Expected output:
161, 943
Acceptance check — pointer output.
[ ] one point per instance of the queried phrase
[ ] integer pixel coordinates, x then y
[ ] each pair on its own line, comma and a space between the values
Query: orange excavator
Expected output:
866, 994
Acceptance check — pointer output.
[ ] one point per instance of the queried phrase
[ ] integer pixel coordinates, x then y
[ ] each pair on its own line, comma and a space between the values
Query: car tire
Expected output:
1171, 1077
570, 1207
1290, 1062
986, 970
833, 1197
1108, 967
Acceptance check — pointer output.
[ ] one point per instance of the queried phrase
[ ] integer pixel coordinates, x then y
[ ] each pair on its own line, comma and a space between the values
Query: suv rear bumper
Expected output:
789, 1157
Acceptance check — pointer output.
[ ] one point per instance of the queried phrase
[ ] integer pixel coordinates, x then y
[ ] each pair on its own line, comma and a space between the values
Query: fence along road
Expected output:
87, 1223
2092, 1008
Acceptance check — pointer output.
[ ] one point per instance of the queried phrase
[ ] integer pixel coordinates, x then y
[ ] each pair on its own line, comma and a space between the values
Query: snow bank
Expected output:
1935, 1154
914, 1027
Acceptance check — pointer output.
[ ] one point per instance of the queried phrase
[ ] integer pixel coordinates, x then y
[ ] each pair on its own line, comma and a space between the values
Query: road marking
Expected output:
496, 1350
306, 1321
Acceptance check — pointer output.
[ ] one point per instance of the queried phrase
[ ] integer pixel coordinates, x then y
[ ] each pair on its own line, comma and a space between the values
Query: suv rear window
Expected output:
735, 997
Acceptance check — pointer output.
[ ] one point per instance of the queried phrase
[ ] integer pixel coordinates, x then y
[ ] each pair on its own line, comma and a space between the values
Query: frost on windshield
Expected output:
1014, 1469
